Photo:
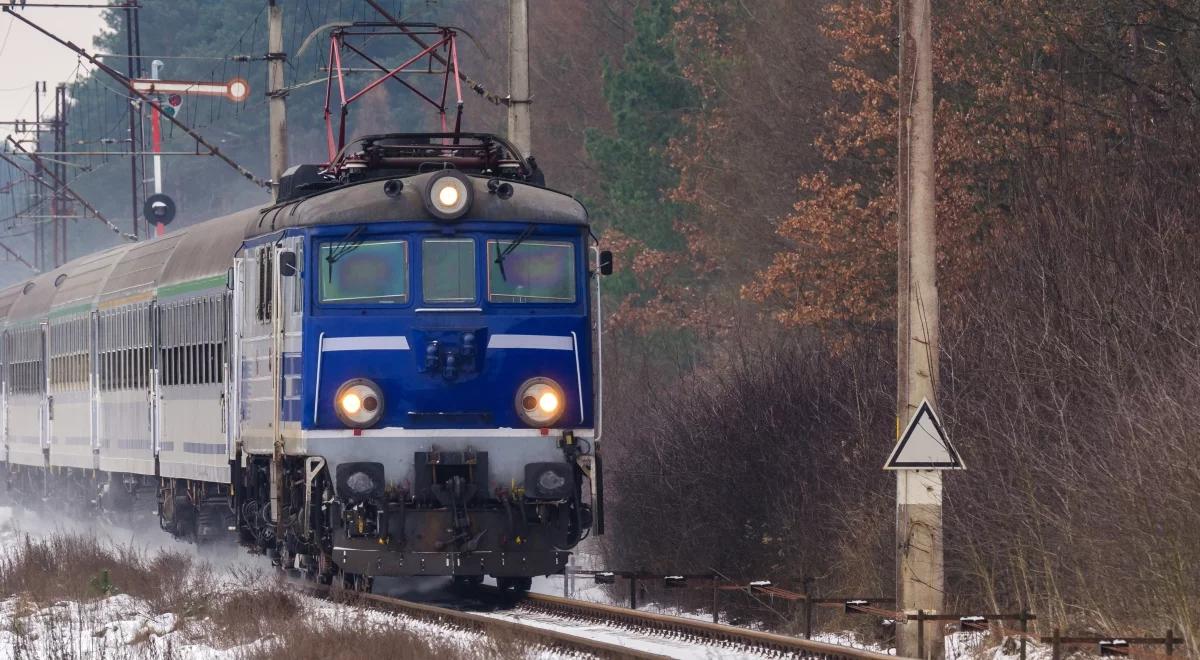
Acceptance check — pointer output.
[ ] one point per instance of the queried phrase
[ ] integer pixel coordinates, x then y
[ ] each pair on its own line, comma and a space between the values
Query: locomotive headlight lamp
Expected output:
539, 402
359, 403
448, 195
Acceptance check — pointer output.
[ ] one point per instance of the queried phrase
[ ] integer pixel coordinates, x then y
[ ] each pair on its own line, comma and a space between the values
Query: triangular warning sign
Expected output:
924, 445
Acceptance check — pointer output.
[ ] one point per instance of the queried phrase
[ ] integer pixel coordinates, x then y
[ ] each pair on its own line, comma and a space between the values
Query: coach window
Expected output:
373, 272
266, 282
448, 270
531, 272
298, 283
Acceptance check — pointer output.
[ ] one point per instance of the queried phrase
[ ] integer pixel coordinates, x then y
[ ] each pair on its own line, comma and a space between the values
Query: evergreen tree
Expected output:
647, 96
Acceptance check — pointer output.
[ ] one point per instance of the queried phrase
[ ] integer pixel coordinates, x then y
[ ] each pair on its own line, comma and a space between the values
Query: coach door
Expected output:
45, 411
126, 400
191, 385
26, 393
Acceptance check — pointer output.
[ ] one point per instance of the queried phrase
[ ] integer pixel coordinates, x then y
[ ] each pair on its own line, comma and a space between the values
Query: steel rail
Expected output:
712, 632
483, 624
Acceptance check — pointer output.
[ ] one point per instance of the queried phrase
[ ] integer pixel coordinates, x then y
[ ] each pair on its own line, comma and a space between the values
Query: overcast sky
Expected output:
27, 55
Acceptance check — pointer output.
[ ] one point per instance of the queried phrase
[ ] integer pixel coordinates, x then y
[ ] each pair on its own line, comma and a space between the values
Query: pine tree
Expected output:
647, 96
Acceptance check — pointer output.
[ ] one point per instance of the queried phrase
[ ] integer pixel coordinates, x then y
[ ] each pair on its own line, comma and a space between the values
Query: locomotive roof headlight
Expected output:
540, 402
448, 195
359, 403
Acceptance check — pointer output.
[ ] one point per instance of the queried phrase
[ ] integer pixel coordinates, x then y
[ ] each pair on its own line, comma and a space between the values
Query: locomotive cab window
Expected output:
448, 270
371, 272
531, 271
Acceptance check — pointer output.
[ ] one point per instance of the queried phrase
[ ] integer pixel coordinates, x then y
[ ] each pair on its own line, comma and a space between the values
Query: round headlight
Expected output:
448, 195
359, 403
540, 402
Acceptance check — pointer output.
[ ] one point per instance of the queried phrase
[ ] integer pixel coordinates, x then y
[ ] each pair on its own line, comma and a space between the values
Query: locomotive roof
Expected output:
364, 203
135, 272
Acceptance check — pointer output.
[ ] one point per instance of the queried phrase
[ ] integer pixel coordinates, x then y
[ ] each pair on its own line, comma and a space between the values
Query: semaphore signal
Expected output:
168, 100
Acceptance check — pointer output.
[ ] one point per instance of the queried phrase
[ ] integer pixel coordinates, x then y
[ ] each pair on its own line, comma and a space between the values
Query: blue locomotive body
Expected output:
451, 363
391, 373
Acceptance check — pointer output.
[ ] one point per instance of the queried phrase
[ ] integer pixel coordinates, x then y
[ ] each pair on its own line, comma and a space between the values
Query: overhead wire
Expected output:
6, 33
300, 19
92, 83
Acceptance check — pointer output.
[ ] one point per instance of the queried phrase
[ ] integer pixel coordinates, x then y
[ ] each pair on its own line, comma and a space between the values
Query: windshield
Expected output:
448, 270
532, 272
375, 271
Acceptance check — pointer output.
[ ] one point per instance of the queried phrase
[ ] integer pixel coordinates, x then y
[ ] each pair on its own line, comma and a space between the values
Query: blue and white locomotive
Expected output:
392, 371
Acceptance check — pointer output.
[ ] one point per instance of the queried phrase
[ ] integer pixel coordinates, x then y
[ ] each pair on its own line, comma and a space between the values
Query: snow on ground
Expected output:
642, 641
846, 638
123, 627
117, 627
983, 646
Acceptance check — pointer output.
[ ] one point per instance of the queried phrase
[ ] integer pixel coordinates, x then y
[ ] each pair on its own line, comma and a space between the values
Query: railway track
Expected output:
506, 620
720, 636
487, 625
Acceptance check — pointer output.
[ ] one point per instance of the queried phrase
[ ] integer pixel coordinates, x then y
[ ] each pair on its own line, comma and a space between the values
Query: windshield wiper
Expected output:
501, 256
343, 247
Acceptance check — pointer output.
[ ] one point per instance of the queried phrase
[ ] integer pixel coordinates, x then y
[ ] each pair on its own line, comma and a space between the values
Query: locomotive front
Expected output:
438, 407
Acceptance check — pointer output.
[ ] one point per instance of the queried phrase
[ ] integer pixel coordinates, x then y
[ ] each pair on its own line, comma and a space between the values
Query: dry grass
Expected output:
79, 568
55, 585
305, 640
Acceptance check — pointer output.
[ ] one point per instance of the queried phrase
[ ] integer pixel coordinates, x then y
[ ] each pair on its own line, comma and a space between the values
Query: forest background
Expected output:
739, 157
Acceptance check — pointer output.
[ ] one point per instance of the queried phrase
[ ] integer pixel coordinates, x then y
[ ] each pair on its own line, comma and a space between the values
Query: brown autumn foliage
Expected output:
1067, 170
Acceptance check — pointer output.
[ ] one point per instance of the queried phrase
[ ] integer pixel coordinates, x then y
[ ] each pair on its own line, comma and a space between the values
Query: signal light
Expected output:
174, 103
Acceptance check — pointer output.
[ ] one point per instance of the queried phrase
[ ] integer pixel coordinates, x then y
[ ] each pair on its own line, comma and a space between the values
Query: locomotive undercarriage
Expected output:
451, 528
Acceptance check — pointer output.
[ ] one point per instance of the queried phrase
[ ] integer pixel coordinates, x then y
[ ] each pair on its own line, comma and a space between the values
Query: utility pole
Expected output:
39, 227
60, 204
518, 75
920, 577
133, 70
277, 95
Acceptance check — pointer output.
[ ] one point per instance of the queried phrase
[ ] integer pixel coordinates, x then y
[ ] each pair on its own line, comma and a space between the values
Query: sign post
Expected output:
922, 451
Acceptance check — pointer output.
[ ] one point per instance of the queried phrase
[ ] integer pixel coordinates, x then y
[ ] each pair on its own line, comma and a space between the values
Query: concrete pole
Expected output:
920, 577
277, 104
518, 75
133, 70
60, 172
